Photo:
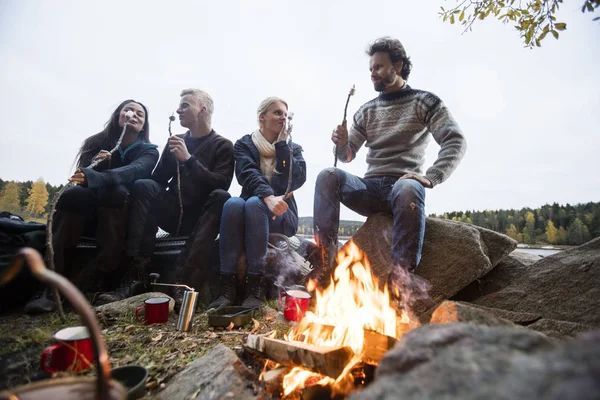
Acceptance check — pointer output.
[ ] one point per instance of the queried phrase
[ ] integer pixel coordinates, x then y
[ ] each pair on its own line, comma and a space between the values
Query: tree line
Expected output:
550, 224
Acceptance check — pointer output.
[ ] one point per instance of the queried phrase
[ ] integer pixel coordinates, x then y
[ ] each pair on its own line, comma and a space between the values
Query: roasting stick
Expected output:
350, 93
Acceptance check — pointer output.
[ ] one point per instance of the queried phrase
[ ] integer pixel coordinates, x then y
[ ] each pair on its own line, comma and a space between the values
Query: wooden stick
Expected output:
329, 361
171, 119
350, 93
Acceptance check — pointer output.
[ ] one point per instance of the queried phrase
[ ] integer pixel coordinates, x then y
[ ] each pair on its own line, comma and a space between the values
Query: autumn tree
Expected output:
533, 19
38, 197
529, 230
551, 233
9, 198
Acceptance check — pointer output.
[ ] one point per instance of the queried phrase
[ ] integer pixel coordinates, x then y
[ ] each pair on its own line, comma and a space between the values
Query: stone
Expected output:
451, 311
564, 287
463, 361
219, 374
454, 254
127, 306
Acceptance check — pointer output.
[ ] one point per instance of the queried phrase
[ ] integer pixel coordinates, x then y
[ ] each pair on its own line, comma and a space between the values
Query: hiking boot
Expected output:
256, 292
133, 283
41, 302
322, 260
228, 292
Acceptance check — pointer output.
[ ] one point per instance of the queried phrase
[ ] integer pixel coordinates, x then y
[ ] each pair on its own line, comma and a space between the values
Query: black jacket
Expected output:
254, 183
209, 168
124, 167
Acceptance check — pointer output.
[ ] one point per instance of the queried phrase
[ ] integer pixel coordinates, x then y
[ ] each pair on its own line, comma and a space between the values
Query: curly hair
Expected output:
396, 51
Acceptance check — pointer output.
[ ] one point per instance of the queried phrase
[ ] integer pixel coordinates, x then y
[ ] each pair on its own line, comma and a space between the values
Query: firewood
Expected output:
329, 361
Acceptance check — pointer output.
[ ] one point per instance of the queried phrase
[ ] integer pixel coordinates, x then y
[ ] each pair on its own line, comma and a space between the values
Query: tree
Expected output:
529, 230
38, 197
551, 233
512, 232
577, 233
534, 19
9, 198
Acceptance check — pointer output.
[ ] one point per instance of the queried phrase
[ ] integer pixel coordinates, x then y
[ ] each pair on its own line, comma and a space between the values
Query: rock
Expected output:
518, 318
564, 287
127, 307
454, 254
508, 269
461, 361
451, 311
559, 329
219, 374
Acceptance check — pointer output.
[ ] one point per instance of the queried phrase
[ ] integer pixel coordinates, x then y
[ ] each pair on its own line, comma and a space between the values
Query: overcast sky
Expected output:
530, 116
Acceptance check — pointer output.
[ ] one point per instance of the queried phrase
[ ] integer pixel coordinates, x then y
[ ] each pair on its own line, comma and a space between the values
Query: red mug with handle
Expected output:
73, 351
294, 303
156, 311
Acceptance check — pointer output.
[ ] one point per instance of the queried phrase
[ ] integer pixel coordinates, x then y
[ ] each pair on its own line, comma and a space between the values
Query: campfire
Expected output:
353, 323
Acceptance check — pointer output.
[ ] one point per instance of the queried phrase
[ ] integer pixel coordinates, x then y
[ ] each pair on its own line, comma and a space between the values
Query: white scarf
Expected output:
268, 161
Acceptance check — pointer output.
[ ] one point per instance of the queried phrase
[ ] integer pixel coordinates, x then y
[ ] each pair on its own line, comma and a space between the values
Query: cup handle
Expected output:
44, 359
137, 310
282, 295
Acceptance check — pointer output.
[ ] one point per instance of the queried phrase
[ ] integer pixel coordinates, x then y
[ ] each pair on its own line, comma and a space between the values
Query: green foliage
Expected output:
534, 19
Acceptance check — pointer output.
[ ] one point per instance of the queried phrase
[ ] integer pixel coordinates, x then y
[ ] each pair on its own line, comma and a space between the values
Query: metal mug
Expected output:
186, 313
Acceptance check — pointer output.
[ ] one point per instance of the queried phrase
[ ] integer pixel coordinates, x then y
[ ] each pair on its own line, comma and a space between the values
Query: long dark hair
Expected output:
110, 134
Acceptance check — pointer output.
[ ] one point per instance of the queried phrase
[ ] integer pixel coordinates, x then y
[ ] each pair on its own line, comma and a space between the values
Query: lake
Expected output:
539, 252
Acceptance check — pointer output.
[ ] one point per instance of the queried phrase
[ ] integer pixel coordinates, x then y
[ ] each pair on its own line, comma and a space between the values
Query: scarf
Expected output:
268, 161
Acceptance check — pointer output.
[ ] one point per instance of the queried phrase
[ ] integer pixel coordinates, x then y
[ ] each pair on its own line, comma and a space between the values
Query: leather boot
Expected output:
227, 292
42, 302
256, 292
133, 283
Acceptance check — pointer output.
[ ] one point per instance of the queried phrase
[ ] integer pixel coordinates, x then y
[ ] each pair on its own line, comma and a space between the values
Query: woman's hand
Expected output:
277, 204
178, 148
78, 178
101, 156
283, 135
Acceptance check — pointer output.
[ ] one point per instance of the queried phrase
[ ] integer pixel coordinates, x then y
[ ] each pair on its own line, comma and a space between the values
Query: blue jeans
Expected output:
245, 226
404, 199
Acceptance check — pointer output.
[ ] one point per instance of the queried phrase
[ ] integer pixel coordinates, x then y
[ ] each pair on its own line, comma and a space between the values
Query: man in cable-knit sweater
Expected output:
396, 126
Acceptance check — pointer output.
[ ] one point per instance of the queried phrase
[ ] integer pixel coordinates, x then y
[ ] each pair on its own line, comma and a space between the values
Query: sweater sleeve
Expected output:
446, 132
357, 136
222, 175
139, 168
249, 174
279, 181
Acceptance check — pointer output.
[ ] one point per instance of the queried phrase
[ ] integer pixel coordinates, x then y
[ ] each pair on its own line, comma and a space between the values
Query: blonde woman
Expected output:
262, 168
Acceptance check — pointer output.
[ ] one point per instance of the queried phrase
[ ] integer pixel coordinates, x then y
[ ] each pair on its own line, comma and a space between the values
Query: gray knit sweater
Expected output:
397, 127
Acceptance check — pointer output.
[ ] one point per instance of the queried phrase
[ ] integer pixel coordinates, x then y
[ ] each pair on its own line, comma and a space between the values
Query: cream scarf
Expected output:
268, 161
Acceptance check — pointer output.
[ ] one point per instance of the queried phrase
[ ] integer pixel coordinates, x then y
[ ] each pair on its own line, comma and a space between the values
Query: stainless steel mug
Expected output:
186, 313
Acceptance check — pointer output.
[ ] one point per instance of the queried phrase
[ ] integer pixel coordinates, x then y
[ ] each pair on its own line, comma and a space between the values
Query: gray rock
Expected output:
509, 268
460, 361
564, 287
454, 254
452, 311
219, 374
559, 329
127, 307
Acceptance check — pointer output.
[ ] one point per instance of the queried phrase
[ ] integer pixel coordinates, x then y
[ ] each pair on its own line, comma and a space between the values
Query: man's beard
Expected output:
383, 83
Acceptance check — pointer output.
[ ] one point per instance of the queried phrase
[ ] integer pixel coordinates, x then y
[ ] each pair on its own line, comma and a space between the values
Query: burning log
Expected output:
329, 361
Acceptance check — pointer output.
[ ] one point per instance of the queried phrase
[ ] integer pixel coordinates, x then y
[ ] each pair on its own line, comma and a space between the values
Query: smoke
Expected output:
286, 268
407, 287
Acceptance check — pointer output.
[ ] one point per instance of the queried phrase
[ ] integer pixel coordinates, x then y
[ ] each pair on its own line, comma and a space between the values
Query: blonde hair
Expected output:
203, 99
265, 104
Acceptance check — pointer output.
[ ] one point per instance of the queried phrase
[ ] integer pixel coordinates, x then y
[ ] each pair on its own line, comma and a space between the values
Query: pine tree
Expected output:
38, 197
9, 198
551, 233
577, 233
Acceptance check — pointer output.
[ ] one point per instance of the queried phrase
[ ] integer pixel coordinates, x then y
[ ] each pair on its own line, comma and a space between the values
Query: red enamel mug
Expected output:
156, 311
294, 304
72, 352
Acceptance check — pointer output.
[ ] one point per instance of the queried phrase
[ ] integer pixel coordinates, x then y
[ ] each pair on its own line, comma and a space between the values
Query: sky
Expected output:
530, 117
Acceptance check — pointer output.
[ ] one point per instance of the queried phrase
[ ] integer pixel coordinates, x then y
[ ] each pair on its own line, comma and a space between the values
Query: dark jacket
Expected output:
254, 183
209, 168
124, 167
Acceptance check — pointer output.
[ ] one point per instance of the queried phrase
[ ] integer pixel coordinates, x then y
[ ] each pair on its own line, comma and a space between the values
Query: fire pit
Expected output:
350, 326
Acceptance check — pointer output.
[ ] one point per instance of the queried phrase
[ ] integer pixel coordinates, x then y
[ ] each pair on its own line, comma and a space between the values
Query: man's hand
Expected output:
340, 135
421, 179
78, 178
101, 156
178, 148
277, 204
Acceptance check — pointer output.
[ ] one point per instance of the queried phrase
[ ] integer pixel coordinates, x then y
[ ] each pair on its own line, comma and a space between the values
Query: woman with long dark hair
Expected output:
98, 202
262, 168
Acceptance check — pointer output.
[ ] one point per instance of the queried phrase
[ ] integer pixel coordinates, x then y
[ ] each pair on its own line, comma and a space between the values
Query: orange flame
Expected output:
352, 303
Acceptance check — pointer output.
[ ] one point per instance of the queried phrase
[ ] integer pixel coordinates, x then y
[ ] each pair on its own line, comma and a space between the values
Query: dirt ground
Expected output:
160, 347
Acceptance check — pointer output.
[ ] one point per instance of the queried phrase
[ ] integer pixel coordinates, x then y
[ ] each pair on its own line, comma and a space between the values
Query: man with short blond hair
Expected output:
205, 161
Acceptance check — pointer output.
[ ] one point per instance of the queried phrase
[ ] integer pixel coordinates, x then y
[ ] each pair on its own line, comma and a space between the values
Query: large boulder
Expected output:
508, 269
461, 361
454, 254
563, 287
219, 374
453, 311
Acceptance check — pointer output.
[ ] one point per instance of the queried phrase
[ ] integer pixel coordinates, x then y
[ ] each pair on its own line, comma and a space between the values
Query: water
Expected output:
539, 252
